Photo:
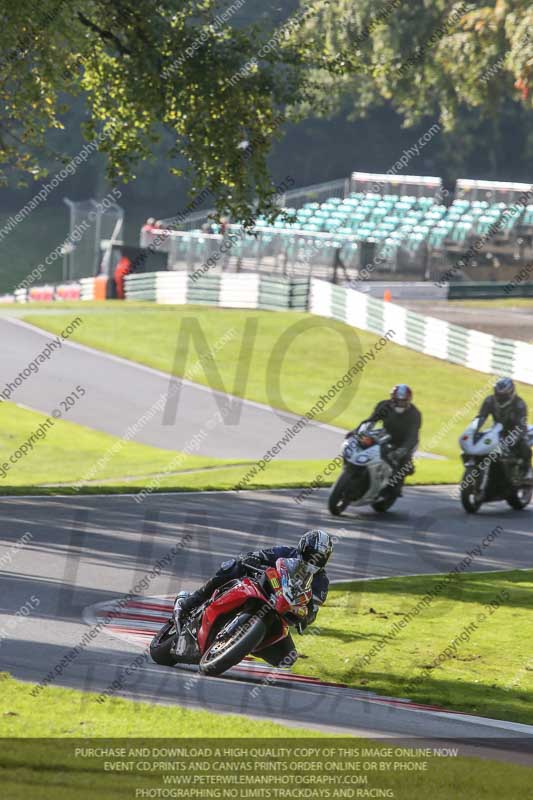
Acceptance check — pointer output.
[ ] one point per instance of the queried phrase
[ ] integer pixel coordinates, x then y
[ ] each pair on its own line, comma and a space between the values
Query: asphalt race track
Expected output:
119, 393
91, 550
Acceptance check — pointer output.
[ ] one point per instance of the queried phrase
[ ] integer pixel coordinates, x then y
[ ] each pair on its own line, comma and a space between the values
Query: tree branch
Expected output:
104, 34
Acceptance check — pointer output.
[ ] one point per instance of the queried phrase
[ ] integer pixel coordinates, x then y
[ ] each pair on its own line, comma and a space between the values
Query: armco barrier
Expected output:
434, 337
87, 288
49, 293
68, 291
229, 290
41, 294
491, 290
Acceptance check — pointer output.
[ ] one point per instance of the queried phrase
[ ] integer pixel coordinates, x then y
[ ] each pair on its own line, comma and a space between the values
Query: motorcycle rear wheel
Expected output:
223, 654
161, 644
520, 498
383, 505
338, 500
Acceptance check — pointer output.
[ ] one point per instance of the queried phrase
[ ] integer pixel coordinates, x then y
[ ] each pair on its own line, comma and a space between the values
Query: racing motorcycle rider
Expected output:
507, 408
314, 548
402, 420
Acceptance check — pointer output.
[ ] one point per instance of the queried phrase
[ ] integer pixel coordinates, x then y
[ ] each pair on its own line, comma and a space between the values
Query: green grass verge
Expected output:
43, 764
303, 364
69, 452
490, 673
72, 453
69, 713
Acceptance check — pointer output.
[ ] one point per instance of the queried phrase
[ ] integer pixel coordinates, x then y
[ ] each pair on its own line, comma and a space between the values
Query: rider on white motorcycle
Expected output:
508, 409
402, 420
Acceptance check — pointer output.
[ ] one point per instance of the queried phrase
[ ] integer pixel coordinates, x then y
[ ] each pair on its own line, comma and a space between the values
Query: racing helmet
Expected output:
504, 392
315, 548
402, 397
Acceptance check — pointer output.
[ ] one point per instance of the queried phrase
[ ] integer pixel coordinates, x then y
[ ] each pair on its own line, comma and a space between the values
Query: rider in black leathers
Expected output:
507, 408
402, 420
315, 548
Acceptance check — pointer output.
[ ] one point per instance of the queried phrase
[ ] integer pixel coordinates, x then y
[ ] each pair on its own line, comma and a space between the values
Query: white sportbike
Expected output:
364, 480
490, 469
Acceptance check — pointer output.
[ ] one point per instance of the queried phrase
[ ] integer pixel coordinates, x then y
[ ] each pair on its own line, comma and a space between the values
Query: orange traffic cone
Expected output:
387, 296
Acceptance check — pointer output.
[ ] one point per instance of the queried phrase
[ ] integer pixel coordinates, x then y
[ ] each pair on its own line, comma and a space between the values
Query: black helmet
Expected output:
504, 392
315, 547
401, 396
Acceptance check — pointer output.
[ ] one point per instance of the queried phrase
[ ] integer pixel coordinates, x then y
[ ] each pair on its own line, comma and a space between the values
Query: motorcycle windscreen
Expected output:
296, 578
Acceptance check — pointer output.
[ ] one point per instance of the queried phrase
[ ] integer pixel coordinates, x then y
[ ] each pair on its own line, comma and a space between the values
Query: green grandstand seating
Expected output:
528, 216
437, 237
391, 221
484, 223
460, 232
462, 204
509, 222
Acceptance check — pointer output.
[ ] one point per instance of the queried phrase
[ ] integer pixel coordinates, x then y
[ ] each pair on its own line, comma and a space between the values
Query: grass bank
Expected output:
288, 359
70, 454
469, 648
43, 764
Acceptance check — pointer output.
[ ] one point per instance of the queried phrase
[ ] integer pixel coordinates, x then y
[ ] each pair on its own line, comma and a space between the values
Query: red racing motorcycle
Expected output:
243, 617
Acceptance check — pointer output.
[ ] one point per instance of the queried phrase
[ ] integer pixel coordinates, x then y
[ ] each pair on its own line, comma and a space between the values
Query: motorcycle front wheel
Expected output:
161, 644
469, 496
228, 649
339, 498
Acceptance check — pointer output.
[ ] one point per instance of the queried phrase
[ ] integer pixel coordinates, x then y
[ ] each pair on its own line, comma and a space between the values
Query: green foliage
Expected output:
485, 616
424, 57
207, 86
144, 68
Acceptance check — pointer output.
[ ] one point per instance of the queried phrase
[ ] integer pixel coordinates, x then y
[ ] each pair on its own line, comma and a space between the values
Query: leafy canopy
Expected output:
223, 88
425, 57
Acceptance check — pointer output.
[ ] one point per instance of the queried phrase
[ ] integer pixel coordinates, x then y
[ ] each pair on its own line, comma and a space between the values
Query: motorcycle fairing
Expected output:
224, 601
371, 459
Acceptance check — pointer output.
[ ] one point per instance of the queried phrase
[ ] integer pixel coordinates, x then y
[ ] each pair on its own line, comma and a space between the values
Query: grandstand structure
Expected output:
367, 227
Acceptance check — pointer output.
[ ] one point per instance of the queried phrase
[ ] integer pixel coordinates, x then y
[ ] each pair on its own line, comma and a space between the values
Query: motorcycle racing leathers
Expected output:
282, 653
513, 418
404, 430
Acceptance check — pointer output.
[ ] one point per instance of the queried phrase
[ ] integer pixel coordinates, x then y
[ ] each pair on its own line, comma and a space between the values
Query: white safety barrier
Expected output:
429, 335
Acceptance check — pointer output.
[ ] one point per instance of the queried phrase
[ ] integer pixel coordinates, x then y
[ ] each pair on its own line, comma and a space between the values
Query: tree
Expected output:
425, 58
144, 67
224, 90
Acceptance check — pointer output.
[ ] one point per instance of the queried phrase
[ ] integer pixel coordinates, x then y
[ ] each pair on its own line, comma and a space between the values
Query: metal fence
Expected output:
317, 193
90, 224
276, 251
295, 198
